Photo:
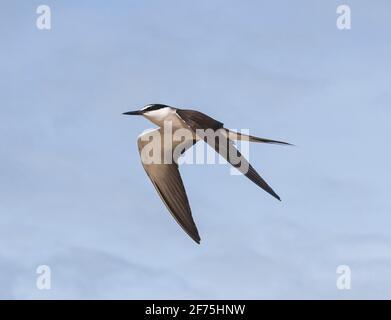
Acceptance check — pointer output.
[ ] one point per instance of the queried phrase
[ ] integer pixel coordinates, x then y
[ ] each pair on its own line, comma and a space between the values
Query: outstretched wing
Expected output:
228, 151
198, 120
224, 146
168, 183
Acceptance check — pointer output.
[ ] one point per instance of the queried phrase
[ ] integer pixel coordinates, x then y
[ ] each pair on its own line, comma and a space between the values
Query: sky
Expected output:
74, 195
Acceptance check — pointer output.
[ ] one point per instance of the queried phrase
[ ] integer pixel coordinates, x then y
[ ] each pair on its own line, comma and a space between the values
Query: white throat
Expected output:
164, 114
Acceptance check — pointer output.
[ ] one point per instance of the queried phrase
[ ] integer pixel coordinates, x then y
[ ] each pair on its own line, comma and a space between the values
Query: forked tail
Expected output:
232, 135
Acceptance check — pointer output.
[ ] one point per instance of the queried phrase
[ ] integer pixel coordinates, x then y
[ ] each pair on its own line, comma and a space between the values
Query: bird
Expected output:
166, 177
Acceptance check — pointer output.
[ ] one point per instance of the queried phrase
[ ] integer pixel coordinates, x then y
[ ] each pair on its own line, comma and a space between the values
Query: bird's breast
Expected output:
170, 117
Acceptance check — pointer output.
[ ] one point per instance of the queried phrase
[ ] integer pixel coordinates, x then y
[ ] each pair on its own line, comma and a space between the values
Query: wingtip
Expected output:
273, 194
196, 237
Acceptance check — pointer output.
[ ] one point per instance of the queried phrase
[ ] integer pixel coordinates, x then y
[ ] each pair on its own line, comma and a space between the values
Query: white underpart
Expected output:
159, 116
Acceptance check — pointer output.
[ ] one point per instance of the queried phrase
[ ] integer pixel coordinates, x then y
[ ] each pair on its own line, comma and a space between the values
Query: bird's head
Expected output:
154, 112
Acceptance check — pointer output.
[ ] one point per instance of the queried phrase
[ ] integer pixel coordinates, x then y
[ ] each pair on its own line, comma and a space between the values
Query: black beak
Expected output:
133, 113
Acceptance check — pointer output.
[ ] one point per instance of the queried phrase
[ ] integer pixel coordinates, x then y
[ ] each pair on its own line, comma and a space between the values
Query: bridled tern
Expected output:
166, 177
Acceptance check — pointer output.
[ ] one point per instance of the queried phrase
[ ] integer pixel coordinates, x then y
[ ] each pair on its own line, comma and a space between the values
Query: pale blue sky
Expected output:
74, 196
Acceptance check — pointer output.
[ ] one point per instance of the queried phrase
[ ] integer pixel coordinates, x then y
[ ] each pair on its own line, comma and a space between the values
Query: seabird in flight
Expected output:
166, 177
